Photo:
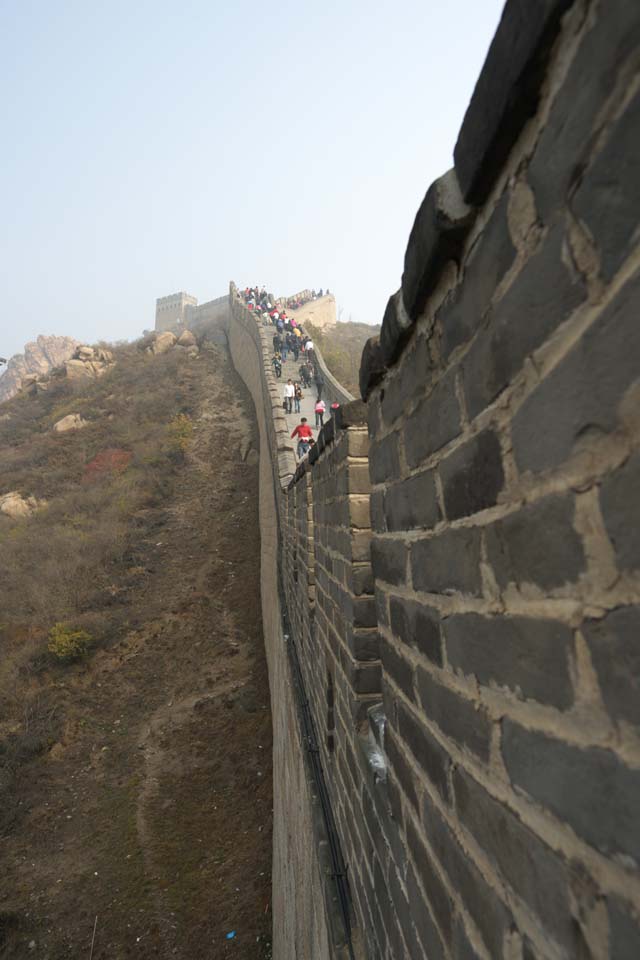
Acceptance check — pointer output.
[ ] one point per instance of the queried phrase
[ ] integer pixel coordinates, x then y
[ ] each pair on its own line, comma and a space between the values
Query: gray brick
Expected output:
389, 560
615, 652
608, 198
458, 718
384, 462
583, 392
537, 544
399, 767
527, 655
461, 947
447, 563
430, 756
487, 911
418, 626
506, 93
437, 895
563, 149
492, 255
620, 504
396, 667
412, 503
542, 296
472, 476
624, 931
376, 506
409, 381
435, 422
427, 930
531, 868
591, 789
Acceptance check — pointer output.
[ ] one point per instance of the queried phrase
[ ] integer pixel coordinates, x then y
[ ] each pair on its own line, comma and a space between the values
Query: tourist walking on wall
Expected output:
289, 394
277, 365
319, 381
297, 397
304, 434
320, 409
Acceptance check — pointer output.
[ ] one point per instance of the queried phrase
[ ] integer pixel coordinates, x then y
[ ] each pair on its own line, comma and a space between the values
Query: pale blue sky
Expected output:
151, 146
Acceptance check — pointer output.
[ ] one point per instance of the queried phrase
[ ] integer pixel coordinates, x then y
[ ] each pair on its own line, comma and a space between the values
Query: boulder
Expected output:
77, 369
163, 342
84, 353
187, 339
16, 506
39, 358
71, 422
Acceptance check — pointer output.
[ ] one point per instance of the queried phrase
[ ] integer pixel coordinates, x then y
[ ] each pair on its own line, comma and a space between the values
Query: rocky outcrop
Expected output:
187, 339
88, 362
39, 358
16, 506
163, 342
72, 421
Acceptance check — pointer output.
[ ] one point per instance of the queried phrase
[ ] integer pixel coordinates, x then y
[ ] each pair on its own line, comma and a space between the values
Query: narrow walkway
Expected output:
290, 369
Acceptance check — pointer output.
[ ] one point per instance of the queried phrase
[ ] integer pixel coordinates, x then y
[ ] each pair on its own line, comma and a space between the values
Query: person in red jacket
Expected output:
304, 433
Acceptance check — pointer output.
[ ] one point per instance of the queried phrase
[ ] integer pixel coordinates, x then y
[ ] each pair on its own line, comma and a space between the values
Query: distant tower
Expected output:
173, 309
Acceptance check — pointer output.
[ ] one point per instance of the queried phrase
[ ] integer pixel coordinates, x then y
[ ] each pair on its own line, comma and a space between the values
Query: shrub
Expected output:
67, 644
179, 434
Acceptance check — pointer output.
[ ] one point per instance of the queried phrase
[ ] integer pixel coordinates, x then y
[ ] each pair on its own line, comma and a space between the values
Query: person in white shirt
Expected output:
289, 394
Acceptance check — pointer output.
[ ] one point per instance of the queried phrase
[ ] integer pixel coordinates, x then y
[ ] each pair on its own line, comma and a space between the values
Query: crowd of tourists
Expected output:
291, 341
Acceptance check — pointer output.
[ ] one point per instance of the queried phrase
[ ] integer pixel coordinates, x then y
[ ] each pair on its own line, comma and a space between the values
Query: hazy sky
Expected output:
153, 146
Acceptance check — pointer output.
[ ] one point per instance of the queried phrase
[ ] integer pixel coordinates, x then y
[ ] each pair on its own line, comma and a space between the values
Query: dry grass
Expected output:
341, 347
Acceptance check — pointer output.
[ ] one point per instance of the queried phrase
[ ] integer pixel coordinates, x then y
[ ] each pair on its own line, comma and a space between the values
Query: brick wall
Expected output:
462, 575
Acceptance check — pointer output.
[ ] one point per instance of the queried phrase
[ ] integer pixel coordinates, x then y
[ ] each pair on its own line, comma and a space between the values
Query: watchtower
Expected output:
173, 309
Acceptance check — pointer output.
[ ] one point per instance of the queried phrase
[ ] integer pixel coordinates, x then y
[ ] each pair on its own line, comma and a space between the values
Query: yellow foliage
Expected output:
67, 644
179, 433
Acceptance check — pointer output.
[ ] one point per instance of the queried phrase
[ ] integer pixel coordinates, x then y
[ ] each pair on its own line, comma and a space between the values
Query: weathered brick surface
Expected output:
461, 571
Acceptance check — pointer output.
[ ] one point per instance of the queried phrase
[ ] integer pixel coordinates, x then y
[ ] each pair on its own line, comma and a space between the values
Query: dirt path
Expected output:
153, 811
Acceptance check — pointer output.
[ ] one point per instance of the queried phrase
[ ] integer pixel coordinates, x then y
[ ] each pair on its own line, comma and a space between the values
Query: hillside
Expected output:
341, 347
135, 784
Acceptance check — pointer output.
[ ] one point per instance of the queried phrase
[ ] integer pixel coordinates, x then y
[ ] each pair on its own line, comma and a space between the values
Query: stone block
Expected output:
608, 198
436, 893
359, 550
528, 865
361, 579
437, 235
384, 459
537, 544
359, 513
418, 626
435, 422
430, 756
486, 909
491, 257
447, 563
620, 505
395, 330
542, 296
358, 442
463, 720
472, 476
376, 505
506, 93
364, 644
527, 655
615, 652
624, 931
582, 394
407, 382
426, 928
395, 666
358, 477
389, 560
591, 789
372, 367
562, 152
400, 768
412, 503
461, 946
